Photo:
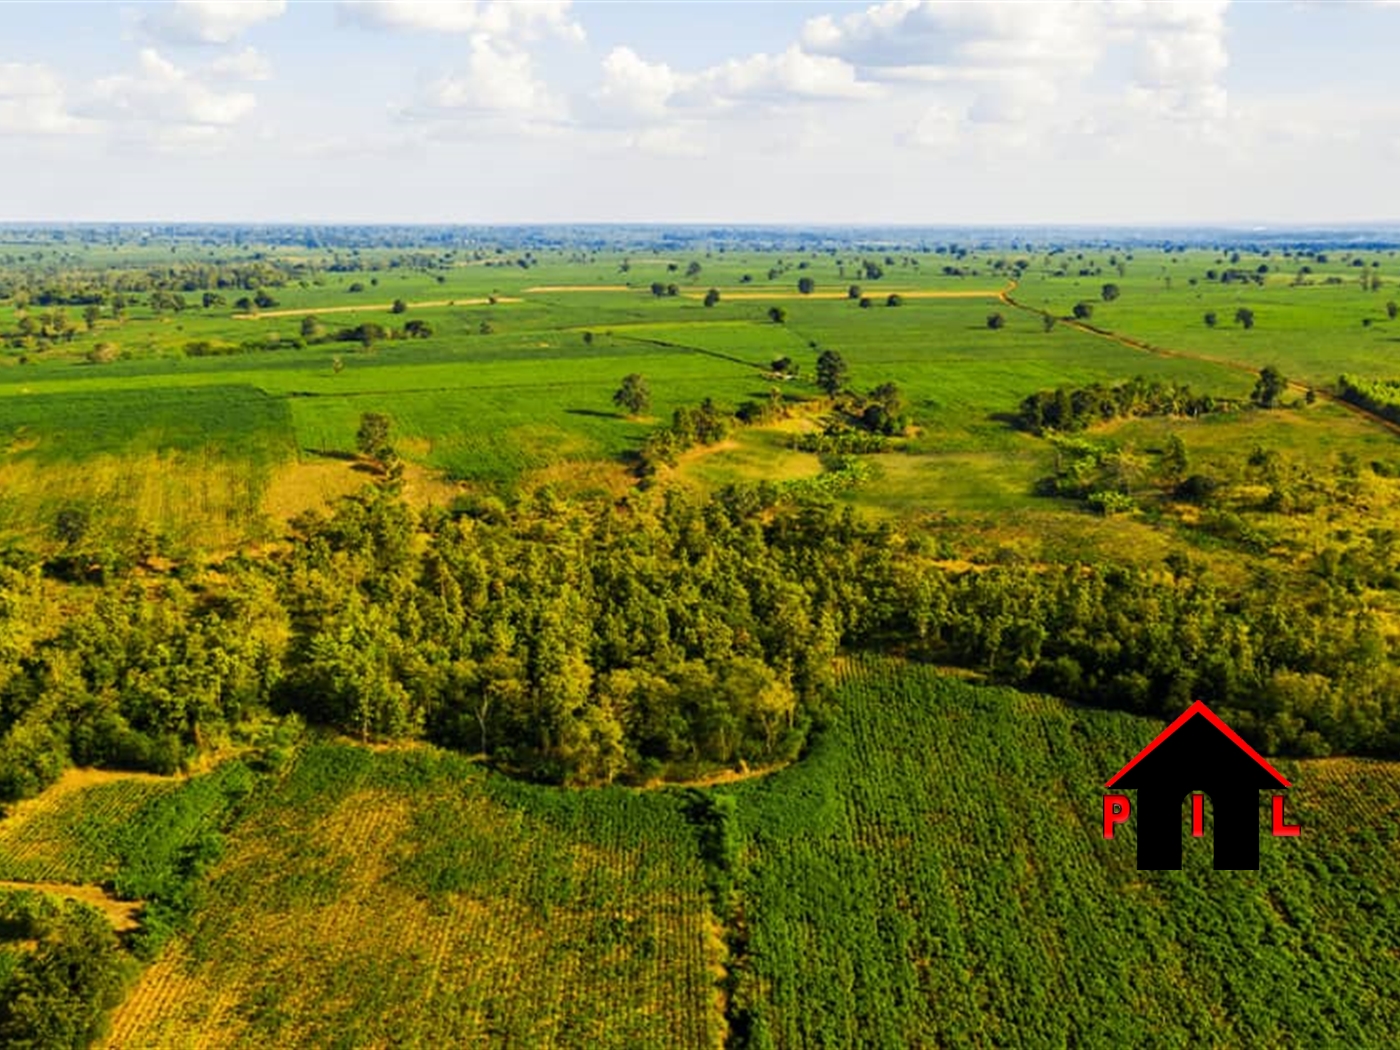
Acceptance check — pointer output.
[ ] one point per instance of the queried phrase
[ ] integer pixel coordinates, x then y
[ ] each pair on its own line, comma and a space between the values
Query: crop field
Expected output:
406, 898
72, 832
508, 391
932, 873
935, 874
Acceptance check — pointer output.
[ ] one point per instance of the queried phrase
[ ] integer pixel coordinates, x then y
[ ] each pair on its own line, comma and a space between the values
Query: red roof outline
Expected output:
1199, 708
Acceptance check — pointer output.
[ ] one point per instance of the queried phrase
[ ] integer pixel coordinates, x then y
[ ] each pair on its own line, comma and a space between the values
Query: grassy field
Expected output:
189, 447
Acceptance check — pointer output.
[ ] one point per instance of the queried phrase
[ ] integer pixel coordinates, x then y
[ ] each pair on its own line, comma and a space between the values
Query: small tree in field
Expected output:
806, 285
399, 307
995, 322
1083, 311
1211, 319
1110, 292
1047, 321
372, 439
634, 396
1392, 309
831, 372
853, 292
712, 297
777, 314
1244, 316
1270, 388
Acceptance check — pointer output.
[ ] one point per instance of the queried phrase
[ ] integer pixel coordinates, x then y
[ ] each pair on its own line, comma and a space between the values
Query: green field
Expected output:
932, 874
495, 409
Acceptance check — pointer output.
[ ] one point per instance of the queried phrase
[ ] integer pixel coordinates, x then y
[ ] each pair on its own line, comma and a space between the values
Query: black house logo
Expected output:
1197, 753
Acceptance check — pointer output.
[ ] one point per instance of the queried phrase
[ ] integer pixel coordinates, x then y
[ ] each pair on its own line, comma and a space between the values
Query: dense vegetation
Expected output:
934, 874
584, 642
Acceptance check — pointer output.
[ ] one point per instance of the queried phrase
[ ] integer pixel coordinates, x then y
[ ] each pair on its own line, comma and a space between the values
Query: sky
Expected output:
1125, 113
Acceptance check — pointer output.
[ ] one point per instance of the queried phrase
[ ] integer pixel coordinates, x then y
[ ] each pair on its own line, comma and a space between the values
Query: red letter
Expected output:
1198, 815
1115, 811
1280, 828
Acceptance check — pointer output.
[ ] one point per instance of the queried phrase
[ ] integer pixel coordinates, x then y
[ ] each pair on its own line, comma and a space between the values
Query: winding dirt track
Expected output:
1162, 351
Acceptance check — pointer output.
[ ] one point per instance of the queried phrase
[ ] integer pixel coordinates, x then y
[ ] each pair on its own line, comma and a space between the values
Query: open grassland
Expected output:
407, 898
935, 874
211, 451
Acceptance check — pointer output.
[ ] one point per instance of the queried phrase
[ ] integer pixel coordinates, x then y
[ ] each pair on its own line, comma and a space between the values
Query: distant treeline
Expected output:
1075, 408
593, 641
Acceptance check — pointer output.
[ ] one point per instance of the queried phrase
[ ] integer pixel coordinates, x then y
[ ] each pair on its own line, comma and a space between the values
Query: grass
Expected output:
534, 397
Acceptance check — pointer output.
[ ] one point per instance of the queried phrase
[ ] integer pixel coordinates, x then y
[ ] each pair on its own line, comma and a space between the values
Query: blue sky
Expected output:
1046, 112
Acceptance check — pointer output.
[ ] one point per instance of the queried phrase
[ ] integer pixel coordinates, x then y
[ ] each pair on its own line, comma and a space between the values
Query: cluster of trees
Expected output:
587, 641
1244, 317
1076, 408
1379, 396
57, 993
706, 424
33, 285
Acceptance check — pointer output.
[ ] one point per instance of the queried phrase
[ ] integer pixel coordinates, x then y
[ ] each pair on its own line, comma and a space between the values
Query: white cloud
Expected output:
32, 101
1019, 59
793, 74
208, 21
248, 64
499, 79
516, 19
634, 89
164, 96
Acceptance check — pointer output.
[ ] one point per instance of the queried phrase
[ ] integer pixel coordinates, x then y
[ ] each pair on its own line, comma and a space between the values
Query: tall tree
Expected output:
634, 396
1270, 388
831, 372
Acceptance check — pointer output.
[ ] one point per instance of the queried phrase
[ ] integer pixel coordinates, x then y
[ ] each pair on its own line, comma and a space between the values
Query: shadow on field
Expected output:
594, 413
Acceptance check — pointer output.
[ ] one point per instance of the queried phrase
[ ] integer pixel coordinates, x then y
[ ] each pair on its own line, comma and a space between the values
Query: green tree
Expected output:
853, 292
831, 372
372, 439
777, 314
1244, 316
1083, 311
310, 327
1110, 292
1047, 321
634, 396
712, 297
399, 307
91, 313
1270, 388
1211, 319
1392, 309
693, 269
806, 285
996, 321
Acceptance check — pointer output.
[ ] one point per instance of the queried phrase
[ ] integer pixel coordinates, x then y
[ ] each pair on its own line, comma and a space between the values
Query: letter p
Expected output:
1115, 811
